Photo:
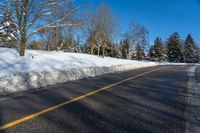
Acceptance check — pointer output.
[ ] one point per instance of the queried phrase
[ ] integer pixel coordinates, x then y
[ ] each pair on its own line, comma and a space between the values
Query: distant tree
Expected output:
69, 41
126, 48
138, 35
35, 45
159, 53
174, 52
152, 52
8, 30
198, 53
75, 46
61, 35
139, 52
100, 25
113, 50
190, 52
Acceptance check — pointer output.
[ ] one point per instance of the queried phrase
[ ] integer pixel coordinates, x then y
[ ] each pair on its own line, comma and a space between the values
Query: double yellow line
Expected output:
29, 117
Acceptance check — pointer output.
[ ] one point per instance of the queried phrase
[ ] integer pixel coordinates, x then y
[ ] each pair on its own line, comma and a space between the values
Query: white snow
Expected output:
39, 61
41, 68
48, 13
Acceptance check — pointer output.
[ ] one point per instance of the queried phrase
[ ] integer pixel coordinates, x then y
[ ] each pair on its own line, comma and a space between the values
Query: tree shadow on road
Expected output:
141, 105
128, 107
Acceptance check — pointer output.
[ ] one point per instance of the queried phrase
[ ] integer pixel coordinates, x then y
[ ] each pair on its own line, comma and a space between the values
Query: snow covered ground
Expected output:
41, 68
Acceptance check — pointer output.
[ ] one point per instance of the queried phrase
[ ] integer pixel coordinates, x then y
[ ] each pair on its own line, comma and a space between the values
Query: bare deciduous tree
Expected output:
101, 27
138, 35
28, 12
61, 34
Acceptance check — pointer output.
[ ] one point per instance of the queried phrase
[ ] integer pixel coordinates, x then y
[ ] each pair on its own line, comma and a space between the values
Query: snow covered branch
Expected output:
29, 12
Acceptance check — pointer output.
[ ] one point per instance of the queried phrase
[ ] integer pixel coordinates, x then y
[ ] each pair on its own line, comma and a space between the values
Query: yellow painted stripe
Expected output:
29, 117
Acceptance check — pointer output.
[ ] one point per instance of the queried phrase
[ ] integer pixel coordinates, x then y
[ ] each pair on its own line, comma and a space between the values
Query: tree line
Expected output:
72, 26
175, 50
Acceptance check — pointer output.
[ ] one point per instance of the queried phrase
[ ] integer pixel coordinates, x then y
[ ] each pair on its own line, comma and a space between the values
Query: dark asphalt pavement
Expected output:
152, 103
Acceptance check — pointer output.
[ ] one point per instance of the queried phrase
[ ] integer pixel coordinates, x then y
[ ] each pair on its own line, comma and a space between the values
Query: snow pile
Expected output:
39, 68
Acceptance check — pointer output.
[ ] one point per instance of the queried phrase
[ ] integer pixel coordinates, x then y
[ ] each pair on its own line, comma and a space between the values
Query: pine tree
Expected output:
190, 52
174, 53
198, 54
125, 48
118, 51
8, 30
152, 53
75, 46
121, 49
113, 50
159, 50
139, 52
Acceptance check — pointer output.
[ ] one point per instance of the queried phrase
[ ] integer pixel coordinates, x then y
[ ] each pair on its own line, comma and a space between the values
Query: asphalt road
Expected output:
149, 102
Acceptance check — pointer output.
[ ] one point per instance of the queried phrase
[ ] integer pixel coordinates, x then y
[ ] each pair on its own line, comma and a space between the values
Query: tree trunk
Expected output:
98, 50
61, 45
91, 50
103, 51
48, 46
23, 45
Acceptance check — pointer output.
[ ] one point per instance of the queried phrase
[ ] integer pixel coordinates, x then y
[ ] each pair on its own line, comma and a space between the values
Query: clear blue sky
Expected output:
161, 17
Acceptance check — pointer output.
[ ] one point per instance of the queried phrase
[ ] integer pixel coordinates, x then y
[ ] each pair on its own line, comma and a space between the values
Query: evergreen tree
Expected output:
75, 46
174, 53
198, 53
152, 52
125, 49
190, 52
113, 50
139, 52
121, 49
8, 30
158, 50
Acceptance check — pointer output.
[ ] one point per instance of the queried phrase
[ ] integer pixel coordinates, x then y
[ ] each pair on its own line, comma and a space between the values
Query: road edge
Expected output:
23, 82
193, 101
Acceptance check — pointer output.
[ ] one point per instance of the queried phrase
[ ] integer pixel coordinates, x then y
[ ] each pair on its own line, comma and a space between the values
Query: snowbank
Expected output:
40, 68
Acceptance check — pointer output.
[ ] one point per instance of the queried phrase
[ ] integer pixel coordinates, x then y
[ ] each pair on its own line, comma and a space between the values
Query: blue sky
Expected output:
161, 17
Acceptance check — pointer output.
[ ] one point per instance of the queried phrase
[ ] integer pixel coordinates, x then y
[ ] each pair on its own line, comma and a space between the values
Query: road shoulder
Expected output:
193, 101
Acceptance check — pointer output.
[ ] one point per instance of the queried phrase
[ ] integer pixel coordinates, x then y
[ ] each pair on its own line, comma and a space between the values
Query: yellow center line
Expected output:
29, 117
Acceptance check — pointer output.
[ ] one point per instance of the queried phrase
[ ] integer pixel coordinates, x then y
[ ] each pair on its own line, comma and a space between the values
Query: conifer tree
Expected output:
125, 48
152, 52
8, 30
190, 52
174, 53
159, 50
139, 52
113, 50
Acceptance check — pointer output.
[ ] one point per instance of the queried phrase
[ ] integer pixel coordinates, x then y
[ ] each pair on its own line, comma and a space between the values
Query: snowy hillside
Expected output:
40, 68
